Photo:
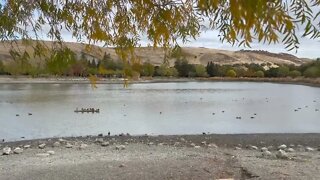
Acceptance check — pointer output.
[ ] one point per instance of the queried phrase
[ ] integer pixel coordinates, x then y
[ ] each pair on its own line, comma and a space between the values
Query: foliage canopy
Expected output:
122, 23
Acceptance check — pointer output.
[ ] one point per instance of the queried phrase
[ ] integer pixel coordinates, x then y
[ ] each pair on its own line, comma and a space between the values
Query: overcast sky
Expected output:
209, 39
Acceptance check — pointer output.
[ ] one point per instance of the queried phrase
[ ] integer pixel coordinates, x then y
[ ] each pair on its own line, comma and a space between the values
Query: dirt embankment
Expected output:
244, 156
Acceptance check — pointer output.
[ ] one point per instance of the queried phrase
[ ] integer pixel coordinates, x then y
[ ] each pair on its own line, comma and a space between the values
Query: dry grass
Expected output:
156, 55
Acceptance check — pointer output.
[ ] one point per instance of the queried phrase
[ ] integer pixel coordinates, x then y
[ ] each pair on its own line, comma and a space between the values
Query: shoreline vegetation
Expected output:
4, 79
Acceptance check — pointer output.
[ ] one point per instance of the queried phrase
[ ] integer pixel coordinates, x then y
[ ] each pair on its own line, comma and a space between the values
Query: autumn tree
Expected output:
60, 61
122, 23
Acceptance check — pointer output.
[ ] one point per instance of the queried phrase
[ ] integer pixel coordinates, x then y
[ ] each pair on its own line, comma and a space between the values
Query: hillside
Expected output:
156, 55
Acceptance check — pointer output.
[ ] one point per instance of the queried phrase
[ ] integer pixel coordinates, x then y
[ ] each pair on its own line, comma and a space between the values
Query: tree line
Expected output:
64, 62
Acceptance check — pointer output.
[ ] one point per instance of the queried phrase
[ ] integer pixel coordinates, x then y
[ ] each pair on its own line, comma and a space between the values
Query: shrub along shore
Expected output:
64, 62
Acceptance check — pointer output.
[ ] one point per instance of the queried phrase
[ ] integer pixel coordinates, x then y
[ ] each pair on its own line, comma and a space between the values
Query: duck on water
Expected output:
87, 110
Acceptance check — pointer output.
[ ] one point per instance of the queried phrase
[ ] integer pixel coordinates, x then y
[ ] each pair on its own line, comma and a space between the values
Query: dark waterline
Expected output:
157, 108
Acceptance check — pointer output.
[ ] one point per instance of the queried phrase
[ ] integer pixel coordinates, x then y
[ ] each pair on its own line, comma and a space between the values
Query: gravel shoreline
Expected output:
225, 140
208, 156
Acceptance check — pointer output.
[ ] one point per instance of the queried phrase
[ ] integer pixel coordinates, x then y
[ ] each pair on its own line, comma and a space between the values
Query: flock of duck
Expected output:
87, 110
93, 110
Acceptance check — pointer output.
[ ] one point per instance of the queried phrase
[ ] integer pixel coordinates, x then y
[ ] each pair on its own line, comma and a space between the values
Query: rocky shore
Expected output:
206, 156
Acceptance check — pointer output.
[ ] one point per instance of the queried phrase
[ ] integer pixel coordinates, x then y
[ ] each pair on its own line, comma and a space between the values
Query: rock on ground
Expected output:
6, 151
18, 150
68, 145
51, 152
282, 147
42, 146
121, 147
281, 154
26, 146
105, 143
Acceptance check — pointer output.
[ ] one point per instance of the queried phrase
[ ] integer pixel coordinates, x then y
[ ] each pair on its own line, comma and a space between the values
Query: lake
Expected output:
157, 108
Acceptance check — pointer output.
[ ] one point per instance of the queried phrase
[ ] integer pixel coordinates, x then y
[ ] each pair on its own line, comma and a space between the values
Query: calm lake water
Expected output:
186, 108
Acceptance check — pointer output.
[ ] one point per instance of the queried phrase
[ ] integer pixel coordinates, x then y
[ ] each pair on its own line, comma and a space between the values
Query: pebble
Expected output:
182, 139
83, 146
176, 144
126, 143
105, 144
266, 153
61, 140
18, 150
56, 144
237, 148
99, 140
281, 154
121, 165
264, 149
192, 145
197, 147
121, 147
6, 151
68, 145
27, 146
290, 150
43, 154
253, 147
282, 147
42, 146
203, 142
212, 145
150, 144
51, 152
309, 149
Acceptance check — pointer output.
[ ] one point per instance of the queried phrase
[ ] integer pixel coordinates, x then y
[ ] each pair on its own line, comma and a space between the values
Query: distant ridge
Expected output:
195, 55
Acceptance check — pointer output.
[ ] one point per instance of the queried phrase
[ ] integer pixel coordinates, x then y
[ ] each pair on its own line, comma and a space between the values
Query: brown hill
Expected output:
156, 55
